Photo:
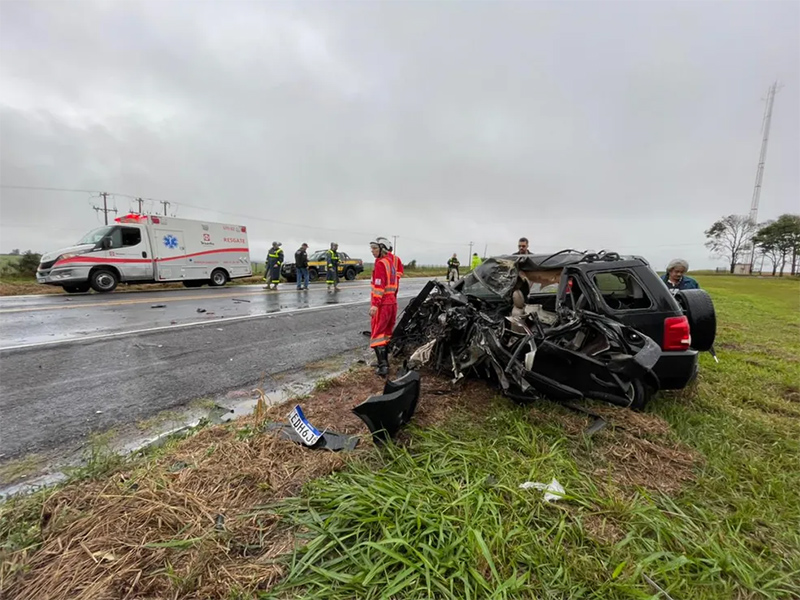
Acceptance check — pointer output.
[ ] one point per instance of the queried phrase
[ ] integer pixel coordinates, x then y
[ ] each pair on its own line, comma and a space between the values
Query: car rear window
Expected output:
622, 291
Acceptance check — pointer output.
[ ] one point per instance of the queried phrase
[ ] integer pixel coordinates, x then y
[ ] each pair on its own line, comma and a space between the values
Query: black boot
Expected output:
383, 361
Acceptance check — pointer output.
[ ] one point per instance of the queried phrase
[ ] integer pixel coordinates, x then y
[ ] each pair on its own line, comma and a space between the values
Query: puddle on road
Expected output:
159, 428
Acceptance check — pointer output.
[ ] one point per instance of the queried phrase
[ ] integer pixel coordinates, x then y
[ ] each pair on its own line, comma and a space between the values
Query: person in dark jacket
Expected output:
676, 279
452, 268
301, 266
332, 266
274, 262
522, 247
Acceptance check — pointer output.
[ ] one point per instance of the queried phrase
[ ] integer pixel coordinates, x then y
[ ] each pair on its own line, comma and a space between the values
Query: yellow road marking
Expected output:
160, 300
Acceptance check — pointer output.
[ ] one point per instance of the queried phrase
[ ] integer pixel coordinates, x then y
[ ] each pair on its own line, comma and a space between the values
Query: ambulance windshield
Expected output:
95, 236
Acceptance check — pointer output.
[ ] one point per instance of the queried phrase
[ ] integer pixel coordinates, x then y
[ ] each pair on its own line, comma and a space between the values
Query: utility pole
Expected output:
762, 158
105, 210
165, 204
471, 244
141, 203
485, 249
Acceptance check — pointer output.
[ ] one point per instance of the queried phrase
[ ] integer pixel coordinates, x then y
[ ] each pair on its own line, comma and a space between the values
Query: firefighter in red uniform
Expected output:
396, 262
383, 309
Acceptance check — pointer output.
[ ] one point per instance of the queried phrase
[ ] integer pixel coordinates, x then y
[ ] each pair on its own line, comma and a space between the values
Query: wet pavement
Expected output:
39, 320
71, 366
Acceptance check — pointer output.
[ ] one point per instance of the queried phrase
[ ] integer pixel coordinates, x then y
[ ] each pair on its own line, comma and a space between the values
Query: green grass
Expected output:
443, 517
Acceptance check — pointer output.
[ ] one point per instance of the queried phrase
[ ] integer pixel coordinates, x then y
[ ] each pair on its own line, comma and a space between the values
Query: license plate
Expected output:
307, 432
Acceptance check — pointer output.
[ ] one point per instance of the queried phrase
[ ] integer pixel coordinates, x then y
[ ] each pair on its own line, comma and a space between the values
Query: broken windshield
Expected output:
495, 275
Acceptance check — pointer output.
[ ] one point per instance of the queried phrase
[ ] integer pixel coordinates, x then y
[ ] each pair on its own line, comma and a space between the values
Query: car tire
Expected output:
313, 274
103, 281
218, 278
350, 274
78, 288
699, 310
639, 394
193, 284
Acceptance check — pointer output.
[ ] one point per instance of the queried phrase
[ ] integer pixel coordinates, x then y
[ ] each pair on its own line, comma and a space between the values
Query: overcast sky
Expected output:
621, 125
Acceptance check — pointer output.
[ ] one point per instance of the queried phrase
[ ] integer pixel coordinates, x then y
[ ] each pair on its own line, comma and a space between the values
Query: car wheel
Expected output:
699, 310
639, 394
218, 278
78, 288
350, 274
193, 284
103, 281
313, 274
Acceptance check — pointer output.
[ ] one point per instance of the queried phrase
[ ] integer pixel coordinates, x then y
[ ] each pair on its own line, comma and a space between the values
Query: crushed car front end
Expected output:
484, 325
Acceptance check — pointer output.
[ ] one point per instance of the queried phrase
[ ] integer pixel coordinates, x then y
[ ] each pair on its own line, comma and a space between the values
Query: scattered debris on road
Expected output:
240, 300
201, 310
159, 306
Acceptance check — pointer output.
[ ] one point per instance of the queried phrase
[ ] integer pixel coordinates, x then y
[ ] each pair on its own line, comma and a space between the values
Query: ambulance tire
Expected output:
313, 274
350, 274
103, 280
218, 278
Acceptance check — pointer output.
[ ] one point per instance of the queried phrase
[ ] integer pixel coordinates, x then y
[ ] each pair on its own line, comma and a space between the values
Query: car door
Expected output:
130, 252
342, 259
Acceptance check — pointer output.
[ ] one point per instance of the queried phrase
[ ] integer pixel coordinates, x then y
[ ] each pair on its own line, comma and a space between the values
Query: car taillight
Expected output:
676, 334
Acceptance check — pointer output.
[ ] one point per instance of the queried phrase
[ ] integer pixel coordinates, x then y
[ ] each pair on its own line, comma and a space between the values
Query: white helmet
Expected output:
382, 242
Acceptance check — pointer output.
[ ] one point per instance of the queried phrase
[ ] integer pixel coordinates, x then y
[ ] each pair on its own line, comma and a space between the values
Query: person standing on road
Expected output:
383, 308
301, 266
522, 247
675, 278
476, 261
274, 262
332, 264
452, 268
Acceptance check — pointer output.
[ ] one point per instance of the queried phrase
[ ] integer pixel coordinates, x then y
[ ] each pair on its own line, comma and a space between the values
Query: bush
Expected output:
27, 264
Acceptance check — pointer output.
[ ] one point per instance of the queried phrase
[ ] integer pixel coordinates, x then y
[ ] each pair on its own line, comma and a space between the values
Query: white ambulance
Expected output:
150, 249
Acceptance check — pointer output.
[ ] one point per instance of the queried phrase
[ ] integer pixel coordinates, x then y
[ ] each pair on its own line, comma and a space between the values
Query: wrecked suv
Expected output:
565, 326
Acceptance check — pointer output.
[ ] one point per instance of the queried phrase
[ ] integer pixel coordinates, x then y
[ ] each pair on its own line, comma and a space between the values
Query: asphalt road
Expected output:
64, 358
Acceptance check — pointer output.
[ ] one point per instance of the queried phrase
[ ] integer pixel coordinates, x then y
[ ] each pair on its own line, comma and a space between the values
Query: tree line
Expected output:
778, 241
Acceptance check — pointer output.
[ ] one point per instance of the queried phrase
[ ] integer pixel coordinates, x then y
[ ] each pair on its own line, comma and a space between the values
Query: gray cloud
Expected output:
622, 125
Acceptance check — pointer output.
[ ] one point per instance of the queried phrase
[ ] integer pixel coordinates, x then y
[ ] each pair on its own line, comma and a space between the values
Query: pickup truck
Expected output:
349, 268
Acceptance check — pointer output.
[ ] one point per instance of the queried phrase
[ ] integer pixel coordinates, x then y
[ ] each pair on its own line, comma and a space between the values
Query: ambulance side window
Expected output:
116, 238
131, 236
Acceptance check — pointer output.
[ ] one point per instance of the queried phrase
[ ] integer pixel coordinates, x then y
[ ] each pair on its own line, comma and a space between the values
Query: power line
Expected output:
105, 210
165, 203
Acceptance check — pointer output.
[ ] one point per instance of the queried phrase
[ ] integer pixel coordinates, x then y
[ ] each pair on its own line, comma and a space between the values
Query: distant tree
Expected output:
767, 247
729, 238
15, 252
781, 239
412, 264
28, 263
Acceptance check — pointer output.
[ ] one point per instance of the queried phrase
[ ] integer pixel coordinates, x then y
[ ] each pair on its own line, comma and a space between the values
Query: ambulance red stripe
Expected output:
102, 260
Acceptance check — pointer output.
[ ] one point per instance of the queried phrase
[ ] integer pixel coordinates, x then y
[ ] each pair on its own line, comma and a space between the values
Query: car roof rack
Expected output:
602, 256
